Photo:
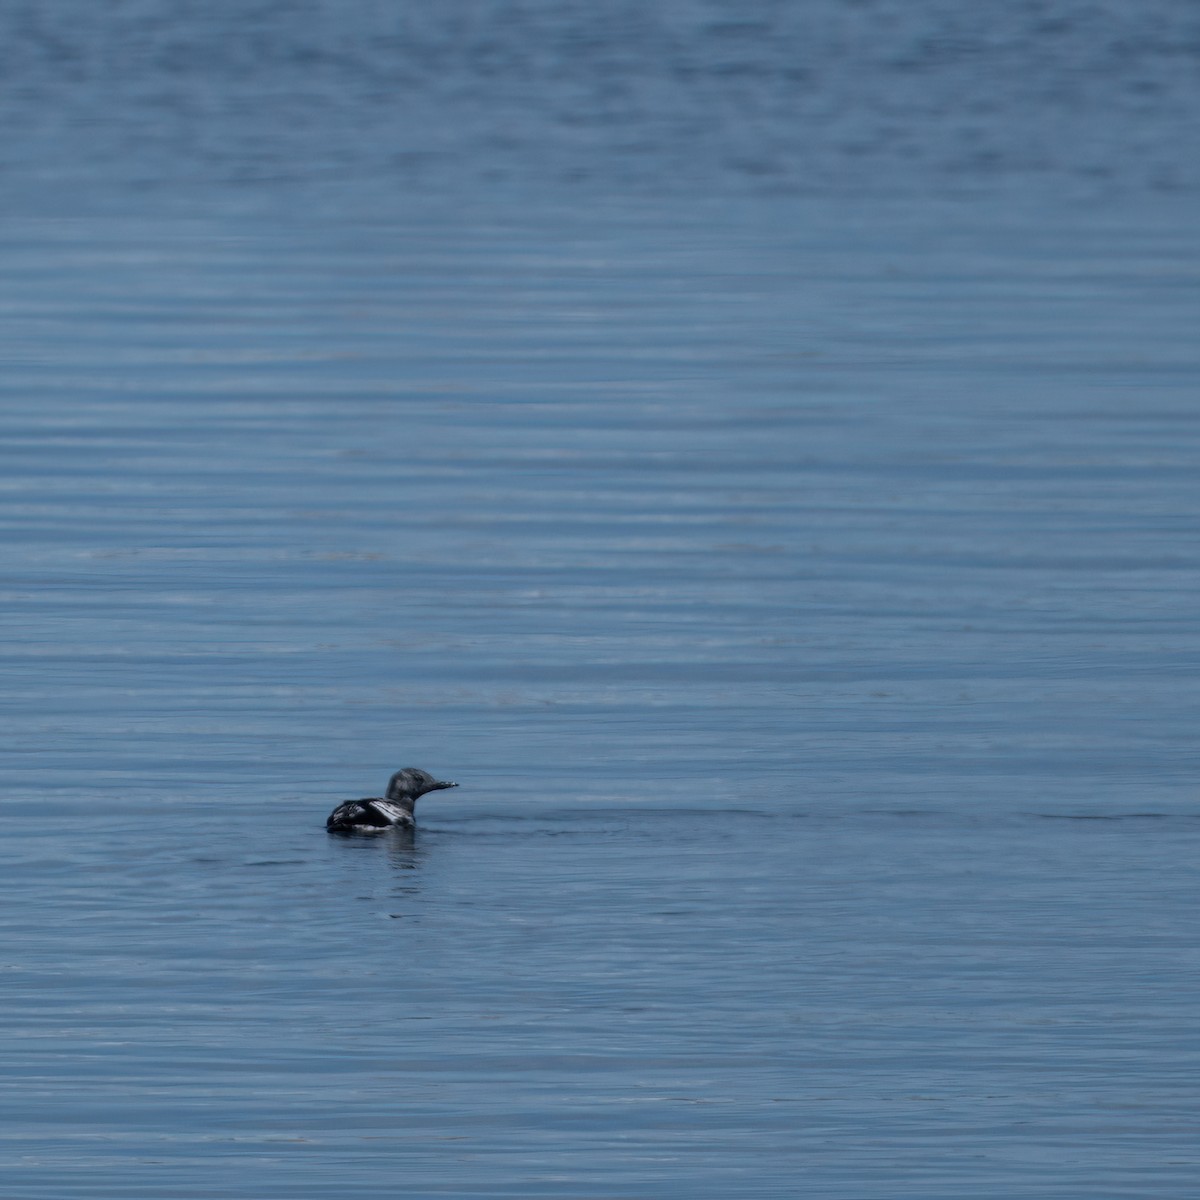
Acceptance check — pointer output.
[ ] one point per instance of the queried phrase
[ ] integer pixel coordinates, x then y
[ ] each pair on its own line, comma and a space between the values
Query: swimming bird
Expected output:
393, 810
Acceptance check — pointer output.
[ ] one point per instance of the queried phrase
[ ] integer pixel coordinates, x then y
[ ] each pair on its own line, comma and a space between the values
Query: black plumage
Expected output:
390, 811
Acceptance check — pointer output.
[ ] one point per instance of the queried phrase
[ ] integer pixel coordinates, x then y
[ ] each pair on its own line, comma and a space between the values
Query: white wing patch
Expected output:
391, 812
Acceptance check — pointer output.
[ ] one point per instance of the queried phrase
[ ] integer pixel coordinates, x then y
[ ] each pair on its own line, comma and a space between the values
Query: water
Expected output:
756, 459
807, 612
141, 102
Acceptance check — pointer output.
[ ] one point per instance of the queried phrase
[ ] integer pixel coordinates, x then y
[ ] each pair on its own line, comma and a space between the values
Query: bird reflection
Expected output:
404, 852
404, 849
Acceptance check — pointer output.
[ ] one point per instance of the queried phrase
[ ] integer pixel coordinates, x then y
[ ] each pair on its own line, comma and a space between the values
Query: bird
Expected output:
394, 810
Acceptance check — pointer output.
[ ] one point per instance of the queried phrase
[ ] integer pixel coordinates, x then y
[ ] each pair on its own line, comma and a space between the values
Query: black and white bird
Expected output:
391, 811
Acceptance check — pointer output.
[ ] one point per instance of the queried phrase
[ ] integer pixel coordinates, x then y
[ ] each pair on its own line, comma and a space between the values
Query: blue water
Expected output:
807, 613
796, 568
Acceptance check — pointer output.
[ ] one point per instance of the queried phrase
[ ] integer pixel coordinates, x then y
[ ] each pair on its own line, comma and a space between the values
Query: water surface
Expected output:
804, 599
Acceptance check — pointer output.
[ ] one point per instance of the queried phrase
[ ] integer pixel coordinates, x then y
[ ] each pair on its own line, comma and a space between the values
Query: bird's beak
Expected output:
440, 786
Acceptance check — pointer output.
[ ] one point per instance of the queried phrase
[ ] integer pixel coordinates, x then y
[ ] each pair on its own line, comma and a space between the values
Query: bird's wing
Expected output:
355, 812
391, 814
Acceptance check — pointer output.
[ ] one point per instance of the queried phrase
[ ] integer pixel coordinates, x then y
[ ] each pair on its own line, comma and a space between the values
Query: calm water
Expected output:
756, 453
806, 605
